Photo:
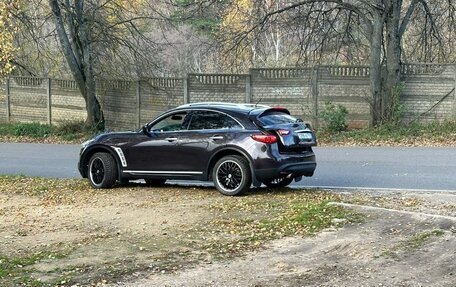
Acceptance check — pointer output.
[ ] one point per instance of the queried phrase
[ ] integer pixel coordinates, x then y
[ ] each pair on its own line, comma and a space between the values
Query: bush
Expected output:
33, 130
70, 130
333, 117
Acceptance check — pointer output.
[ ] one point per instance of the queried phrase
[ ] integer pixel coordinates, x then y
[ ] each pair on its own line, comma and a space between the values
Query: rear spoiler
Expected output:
275, 109
260, 112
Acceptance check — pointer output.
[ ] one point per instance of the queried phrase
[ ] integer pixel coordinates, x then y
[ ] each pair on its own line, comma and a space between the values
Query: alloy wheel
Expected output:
97, 171
229, 175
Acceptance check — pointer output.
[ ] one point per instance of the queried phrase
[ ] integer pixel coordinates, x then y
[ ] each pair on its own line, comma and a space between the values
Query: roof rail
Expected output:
223, 104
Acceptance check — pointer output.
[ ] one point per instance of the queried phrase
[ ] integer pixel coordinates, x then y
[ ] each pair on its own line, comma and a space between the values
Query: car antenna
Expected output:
256, 104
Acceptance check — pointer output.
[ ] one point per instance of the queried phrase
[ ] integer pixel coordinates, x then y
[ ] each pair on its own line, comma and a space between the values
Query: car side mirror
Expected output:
145, 130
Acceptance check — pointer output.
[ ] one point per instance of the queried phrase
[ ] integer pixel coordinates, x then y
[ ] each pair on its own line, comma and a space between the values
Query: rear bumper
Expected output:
294, 166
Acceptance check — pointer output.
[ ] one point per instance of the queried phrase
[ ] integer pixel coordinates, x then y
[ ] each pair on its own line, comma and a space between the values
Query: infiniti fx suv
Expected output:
233, 145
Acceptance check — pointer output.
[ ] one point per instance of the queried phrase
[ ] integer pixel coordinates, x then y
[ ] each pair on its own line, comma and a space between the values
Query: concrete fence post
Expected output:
49, 101
454, 93
8, 100
186, 94
248, 89
315, 95
138, 103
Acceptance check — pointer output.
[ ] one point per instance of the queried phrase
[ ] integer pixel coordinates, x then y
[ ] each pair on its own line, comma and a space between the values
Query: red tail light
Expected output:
267, 139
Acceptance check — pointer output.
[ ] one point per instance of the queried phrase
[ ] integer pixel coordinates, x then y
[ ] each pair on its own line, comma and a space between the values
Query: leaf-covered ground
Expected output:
63, 232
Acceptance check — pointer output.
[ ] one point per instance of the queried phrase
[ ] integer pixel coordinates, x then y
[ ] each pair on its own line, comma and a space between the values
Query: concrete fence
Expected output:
427, 94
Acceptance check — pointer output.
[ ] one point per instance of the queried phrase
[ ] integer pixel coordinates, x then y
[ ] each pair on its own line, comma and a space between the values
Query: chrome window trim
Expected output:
196, 109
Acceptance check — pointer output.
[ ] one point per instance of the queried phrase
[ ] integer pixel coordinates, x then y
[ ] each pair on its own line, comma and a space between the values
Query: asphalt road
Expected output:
347, 167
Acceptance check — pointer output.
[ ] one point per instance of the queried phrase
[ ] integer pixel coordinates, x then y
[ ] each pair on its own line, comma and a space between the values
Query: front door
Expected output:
159, 152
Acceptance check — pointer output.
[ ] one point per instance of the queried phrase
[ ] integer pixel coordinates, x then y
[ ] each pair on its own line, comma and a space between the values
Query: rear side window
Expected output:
207, 120
276, 118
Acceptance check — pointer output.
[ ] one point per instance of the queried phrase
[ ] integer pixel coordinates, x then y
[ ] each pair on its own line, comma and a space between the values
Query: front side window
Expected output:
207, 120
175, 122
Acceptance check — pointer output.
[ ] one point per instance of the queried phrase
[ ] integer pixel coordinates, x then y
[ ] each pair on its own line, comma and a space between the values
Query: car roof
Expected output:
222, 106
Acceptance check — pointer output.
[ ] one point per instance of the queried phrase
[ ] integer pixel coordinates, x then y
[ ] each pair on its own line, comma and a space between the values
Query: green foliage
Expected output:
415, 242
31, 130
317, 216
203, 18
13, 270
334, 117
396, 109
433, 133
71, 130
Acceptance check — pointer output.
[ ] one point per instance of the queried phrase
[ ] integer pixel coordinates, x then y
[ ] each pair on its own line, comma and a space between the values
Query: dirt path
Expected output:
391, 248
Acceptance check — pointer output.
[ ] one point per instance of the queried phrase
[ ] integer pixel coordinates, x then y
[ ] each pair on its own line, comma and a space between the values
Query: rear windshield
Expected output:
276, 118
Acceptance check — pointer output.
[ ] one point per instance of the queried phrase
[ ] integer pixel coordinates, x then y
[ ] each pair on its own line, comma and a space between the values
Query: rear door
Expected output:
207, 131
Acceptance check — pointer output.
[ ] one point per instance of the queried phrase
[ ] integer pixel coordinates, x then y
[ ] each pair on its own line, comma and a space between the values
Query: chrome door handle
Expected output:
216, 138
171, 139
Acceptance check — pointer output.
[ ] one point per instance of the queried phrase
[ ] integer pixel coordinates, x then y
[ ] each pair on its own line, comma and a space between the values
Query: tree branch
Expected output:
407, 17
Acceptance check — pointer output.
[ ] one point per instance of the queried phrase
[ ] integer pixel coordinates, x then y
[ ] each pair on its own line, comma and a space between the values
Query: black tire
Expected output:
231, 175
278, 182
102, 171
155, 181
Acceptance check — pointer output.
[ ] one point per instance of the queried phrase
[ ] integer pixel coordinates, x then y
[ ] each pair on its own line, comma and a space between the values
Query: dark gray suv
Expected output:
233, 145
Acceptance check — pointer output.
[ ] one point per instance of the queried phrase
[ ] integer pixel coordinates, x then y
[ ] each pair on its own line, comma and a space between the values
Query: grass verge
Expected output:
412, 243
71, 132
435, 134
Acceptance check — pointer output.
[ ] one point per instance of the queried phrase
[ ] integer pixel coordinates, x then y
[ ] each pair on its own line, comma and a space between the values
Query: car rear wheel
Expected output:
154, 182
102, 170
278, 182
231, 175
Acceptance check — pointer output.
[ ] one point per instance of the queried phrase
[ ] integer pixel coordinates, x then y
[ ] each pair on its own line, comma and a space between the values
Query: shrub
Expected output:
333, 117
70, 130
33, 130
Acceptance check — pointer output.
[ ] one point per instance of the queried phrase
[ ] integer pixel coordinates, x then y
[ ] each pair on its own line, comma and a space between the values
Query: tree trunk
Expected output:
94, 113
376, 67
79, 57
393, 58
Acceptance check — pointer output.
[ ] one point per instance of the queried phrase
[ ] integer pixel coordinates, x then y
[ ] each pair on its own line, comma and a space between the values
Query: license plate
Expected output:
305, 136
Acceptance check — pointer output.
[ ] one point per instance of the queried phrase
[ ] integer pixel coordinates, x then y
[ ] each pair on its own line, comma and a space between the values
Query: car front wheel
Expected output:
231, 175
102, 170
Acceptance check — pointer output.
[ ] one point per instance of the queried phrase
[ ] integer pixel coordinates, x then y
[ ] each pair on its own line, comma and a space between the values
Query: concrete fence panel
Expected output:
427, 93
287, 87
216, 88
347, 86
158, 95
119, 103
28, 99
67, 104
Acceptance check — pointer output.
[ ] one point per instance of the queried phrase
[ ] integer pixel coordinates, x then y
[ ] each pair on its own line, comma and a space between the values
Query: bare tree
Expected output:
100, 35
335, 26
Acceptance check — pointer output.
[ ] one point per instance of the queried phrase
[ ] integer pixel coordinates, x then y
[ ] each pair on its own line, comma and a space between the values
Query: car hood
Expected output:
116, 138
